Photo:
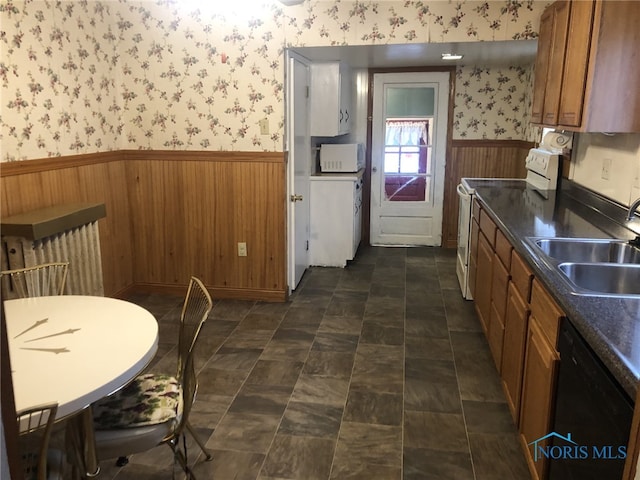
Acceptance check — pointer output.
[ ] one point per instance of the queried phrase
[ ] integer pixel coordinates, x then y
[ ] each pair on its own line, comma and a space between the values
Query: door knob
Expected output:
296, 198
374, 169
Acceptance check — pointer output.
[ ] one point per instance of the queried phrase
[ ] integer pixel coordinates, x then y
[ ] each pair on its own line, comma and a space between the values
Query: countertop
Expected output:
338, 176
611, 326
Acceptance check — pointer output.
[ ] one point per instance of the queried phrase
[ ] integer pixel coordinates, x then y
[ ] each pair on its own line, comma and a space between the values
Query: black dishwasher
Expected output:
592, 415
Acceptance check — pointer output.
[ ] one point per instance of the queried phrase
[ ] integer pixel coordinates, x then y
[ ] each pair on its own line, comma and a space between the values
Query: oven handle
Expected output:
462, 192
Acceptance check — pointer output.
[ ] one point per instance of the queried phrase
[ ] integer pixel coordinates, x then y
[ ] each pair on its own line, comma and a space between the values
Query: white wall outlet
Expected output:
264, 126
242, 249
606, 169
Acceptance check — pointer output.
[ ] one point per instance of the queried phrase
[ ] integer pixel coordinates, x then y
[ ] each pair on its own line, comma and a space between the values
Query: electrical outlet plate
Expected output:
264, 126
242, 249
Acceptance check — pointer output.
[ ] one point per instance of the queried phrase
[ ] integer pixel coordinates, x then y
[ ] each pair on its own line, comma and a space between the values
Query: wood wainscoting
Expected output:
478, 159
170, 215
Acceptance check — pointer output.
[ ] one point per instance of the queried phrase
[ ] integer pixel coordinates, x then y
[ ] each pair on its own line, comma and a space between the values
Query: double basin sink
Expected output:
597, 267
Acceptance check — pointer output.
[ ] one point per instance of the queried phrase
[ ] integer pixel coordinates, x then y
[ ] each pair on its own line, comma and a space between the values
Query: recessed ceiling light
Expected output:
451, 56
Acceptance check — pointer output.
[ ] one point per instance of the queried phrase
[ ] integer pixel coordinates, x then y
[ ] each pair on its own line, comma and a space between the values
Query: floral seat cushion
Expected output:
150, 399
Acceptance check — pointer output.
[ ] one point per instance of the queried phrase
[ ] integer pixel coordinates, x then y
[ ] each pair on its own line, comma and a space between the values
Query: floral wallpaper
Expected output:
493, 103
86, 76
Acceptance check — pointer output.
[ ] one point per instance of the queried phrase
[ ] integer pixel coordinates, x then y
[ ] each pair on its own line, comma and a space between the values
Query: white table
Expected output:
75, 349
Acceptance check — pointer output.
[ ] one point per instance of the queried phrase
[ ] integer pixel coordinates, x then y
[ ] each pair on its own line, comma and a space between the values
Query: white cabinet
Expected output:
330, 99
336, 218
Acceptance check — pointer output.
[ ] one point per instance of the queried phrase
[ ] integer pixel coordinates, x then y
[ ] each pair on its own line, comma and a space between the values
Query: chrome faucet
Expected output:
634, 206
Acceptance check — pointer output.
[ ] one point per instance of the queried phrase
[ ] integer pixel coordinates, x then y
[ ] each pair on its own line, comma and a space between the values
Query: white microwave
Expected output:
341, 157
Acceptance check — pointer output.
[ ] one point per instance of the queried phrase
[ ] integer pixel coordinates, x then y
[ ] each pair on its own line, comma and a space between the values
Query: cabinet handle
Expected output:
346, 112
341, 116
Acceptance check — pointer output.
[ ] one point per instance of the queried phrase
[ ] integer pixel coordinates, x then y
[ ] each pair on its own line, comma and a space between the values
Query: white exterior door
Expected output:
299, 169
410, 114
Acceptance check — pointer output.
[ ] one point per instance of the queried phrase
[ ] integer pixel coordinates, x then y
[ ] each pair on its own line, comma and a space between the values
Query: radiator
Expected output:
80, 246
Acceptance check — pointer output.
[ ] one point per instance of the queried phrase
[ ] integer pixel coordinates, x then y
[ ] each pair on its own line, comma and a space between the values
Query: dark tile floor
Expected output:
375, 371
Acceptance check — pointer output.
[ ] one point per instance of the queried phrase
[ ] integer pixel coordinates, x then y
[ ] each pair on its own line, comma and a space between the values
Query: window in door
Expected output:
407, 159
407, 147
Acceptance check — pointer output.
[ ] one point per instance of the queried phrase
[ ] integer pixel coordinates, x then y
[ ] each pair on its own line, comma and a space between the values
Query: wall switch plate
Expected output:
242, 249
606, 169
264, 126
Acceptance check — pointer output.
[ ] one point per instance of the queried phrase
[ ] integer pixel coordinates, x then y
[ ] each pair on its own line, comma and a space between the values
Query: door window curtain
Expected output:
407, 133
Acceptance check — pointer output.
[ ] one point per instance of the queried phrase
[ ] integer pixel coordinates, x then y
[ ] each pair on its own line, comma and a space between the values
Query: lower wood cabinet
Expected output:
539, 376
522, 334
499, 287
482, 294
515, 337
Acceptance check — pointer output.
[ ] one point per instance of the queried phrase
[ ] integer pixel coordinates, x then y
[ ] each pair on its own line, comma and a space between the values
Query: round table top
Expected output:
76, 349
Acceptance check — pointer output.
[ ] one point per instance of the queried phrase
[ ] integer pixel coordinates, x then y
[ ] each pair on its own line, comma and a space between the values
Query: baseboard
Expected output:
216, 292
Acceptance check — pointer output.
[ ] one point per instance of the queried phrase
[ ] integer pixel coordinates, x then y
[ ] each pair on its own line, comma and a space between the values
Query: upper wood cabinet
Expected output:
586, 72
550, 63
330, 101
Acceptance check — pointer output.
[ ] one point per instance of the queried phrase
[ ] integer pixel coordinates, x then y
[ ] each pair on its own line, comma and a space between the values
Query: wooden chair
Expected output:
154, 408
37, 281
35, 426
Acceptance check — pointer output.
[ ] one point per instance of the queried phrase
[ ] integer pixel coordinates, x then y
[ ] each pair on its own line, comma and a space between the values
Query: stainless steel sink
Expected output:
589, 250
603, 278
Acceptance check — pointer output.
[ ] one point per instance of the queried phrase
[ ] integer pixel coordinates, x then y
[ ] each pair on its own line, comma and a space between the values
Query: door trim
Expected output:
366, 192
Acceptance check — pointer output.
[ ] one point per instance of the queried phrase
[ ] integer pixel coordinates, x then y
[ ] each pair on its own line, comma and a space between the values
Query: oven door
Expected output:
464, 228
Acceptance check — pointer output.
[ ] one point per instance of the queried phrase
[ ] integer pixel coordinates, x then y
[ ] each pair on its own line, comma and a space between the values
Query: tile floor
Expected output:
375, 371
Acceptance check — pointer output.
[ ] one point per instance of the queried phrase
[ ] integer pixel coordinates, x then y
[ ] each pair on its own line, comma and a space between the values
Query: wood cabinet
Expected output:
550, 63
586, 78
499, 288
516, 322
515, 336
330, 101
540, 372
491, 283
499, 291
574, 75
484, 271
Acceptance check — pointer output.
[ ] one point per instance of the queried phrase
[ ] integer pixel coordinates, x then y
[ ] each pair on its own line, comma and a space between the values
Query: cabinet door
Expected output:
574, 78
542, 64
484, 270
515, 336
556, 63
344, 115
499, 287
541, 363
612, 102
328, 117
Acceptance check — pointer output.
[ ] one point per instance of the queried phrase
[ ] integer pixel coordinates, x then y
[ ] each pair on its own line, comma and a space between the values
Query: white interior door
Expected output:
299, 169
409, 133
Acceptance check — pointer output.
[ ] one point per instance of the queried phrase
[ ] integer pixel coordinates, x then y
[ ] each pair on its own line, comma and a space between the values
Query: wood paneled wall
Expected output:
478, 159
189, 214
171, 215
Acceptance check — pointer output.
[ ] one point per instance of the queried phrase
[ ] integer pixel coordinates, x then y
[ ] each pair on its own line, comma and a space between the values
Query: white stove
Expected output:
541, 182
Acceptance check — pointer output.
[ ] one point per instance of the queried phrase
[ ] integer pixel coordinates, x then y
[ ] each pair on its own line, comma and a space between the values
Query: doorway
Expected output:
408, 156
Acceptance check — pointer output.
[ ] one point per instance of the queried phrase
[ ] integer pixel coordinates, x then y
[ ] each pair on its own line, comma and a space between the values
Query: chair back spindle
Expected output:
37, 281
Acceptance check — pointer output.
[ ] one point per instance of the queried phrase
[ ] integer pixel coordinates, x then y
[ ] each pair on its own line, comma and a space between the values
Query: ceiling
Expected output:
486, 54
